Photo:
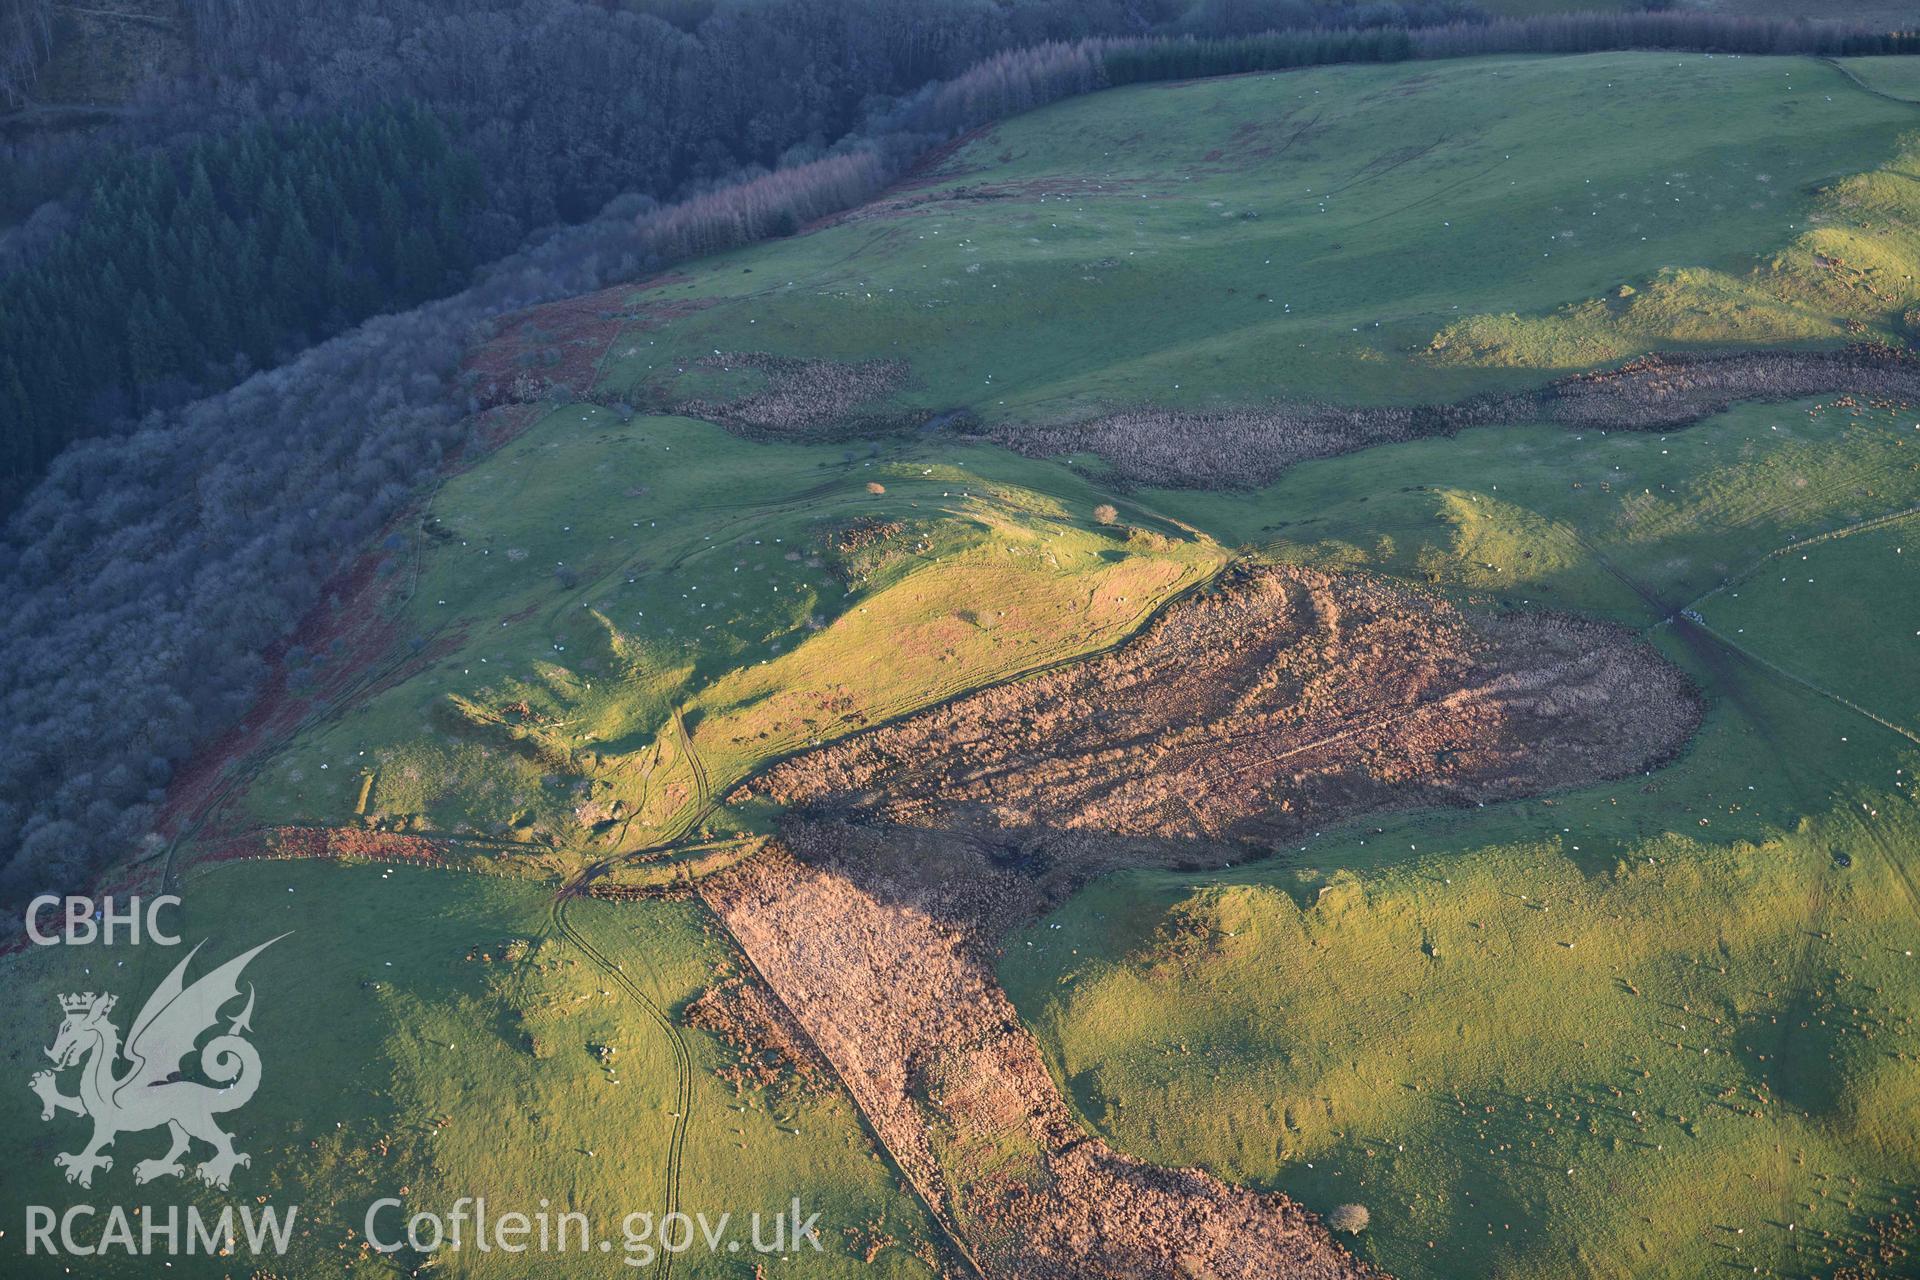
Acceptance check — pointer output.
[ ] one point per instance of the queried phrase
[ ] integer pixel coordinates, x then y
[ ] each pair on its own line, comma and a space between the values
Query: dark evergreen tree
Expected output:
249, 246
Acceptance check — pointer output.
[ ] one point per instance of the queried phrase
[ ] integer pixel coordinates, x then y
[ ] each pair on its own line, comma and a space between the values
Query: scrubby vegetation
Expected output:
215, 524
325, 138
1351, 1219
295, 467
631, 109
1250, 448
760, 778
1275, 704
1458, 1001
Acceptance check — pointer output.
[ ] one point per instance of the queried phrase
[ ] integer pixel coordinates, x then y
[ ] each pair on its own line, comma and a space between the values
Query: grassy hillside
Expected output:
1305, 234
1160, 245
1630, 1030
430, 1035
1625, 524
623, 620
1636, 1029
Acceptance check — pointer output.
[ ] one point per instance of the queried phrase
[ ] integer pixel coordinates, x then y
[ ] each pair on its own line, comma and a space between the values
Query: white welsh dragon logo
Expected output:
151, 1093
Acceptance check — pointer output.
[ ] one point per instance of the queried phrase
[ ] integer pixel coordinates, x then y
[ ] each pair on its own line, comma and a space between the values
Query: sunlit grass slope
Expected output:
1626, 524
624, 619
616, 618
1653, 1028
614, 608
1297, 235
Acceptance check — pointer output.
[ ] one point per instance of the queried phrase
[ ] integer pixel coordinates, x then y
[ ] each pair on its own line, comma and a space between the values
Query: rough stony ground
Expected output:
889, 972
1283, 697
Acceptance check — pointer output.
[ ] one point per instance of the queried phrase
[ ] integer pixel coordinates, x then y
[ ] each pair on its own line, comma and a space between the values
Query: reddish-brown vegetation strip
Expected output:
1286, 698
557, 343
1283, 698
348, 631
355, 624
560, 344
1251, 447
769, 1047
350, 842
884, 962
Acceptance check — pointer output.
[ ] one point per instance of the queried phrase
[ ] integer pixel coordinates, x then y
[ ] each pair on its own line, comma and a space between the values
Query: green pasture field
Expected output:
1842, 614
1626, 525
429, 1035
1029, 264
1560, 1037
584, 699
704, 612
1305, 235
1895, 77
1647, 1028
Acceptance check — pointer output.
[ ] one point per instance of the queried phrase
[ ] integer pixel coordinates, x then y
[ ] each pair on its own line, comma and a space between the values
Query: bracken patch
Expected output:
1281, 698
888, 969
1252, 447
1288, 697
806, 399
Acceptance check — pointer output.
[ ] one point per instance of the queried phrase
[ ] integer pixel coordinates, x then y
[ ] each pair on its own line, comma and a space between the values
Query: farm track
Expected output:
677, 1045
704, 802
702, 787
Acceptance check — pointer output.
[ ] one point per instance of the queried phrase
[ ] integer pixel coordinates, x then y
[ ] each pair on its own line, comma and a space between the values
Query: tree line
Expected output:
1661, 29
490, 119
148, 573
186, 270
1022, 79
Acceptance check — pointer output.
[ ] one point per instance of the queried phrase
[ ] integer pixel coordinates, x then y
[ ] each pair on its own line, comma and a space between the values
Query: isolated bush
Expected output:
1105, 513
1350, 1218
875, 487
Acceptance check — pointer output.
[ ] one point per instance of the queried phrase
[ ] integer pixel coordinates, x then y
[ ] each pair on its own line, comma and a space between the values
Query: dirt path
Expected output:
682, 1063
